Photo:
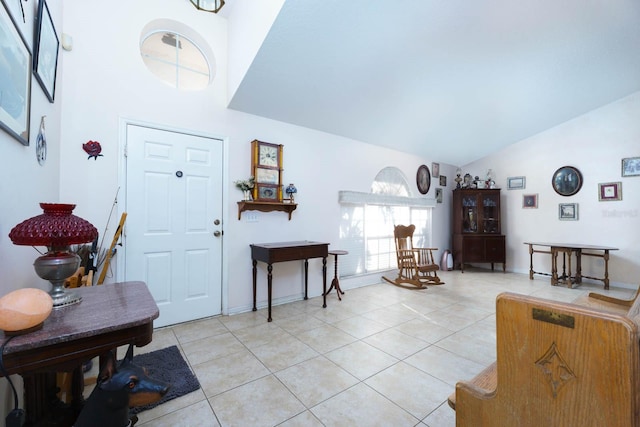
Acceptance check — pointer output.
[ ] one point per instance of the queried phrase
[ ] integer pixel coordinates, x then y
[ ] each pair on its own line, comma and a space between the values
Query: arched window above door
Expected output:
177, 55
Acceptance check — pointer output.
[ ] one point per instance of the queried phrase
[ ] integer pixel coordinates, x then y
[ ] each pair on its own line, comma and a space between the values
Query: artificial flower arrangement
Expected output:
246, 184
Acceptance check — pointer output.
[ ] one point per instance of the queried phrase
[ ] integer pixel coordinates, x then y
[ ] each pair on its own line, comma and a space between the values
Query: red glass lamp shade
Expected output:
56, 228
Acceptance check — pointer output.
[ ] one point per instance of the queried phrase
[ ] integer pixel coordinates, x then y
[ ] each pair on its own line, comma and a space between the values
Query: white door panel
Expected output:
173, 197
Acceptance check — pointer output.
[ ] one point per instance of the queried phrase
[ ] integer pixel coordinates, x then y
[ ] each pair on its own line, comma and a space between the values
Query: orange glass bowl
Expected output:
24, 310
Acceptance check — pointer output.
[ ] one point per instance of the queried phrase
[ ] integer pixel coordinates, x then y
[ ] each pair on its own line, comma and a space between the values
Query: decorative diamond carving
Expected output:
555, 369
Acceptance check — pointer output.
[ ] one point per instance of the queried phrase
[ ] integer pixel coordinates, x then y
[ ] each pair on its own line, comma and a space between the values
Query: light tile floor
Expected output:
383, 356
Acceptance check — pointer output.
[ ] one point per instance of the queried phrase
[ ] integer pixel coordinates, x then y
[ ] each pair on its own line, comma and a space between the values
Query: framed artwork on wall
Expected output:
530, 201
631, 166
443, 181
568, 211
435, 170
439, 195
516, 183
610, 191
566, 181
15, 79
45, 56
423, 179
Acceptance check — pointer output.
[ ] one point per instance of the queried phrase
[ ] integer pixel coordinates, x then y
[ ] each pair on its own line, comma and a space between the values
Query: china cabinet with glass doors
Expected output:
477, 236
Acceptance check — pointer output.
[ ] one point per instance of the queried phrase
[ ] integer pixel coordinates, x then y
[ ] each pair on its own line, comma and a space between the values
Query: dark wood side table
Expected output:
288, 251
109, 316
335, 283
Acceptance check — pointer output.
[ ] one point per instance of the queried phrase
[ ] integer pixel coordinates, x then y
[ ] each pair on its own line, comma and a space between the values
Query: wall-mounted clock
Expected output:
267, 155
266, 167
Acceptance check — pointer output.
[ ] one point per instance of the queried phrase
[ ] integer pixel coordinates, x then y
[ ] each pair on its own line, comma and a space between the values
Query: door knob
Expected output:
216, 222
217, 233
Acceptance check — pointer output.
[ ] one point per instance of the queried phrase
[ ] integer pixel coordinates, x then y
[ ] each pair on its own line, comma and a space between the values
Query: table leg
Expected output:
335, 283
269, 287
578, 266
530, 262
77, 389
554, 266
306, 278
567, 277
606, 269
324, 282
42, 407
255, 275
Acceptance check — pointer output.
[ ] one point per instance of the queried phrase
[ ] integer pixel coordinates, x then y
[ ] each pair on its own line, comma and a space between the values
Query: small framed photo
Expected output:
45, 57
530, 201
439, 195
516, 183
610, 191
443, 181
435, 170
631, 166
15, 79
568, 211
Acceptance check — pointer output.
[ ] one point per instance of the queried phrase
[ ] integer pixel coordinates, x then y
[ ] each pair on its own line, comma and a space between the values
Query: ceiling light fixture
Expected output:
208, 5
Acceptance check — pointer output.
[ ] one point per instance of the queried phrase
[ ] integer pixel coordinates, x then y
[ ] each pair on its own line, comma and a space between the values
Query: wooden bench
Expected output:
558, 364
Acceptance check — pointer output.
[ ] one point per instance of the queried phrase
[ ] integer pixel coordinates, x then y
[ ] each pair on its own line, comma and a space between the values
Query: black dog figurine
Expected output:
119, 388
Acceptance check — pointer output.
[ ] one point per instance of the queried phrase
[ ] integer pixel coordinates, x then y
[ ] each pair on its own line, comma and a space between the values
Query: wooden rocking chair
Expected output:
416, 266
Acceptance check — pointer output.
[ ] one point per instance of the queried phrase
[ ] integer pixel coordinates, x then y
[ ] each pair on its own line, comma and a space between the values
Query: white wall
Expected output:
106, 81
24, 183
595, 143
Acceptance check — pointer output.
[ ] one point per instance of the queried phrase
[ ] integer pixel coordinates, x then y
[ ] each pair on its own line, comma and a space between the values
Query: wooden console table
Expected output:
109, 316
567, 249
289, 251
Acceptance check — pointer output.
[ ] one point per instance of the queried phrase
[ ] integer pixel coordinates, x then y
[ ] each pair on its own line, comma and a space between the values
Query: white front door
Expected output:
174, 221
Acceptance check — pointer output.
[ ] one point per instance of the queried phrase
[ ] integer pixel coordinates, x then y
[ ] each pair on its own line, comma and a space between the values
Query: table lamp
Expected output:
57, 228
291, 190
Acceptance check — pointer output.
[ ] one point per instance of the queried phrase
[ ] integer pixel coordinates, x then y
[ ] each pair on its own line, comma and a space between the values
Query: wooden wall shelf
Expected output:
265, 207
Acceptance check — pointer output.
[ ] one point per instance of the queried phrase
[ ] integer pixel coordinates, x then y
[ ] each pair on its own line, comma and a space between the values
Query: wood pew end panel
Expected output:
557, 364
483, 385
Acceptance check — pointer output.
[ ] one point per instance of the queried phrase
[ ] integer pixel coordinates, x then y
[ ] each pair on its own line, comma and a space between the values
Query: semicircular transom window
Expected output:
176, 60
391, 181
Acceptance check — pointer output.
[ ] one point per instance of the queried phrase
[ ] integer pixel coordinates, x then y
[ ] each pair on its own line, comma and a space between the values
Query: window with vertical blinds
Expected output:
368, 219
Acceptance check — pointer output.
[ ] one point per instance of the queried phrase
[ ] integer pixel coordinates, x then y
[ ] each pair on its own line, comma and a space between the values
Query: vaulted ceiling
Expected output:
452, 80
